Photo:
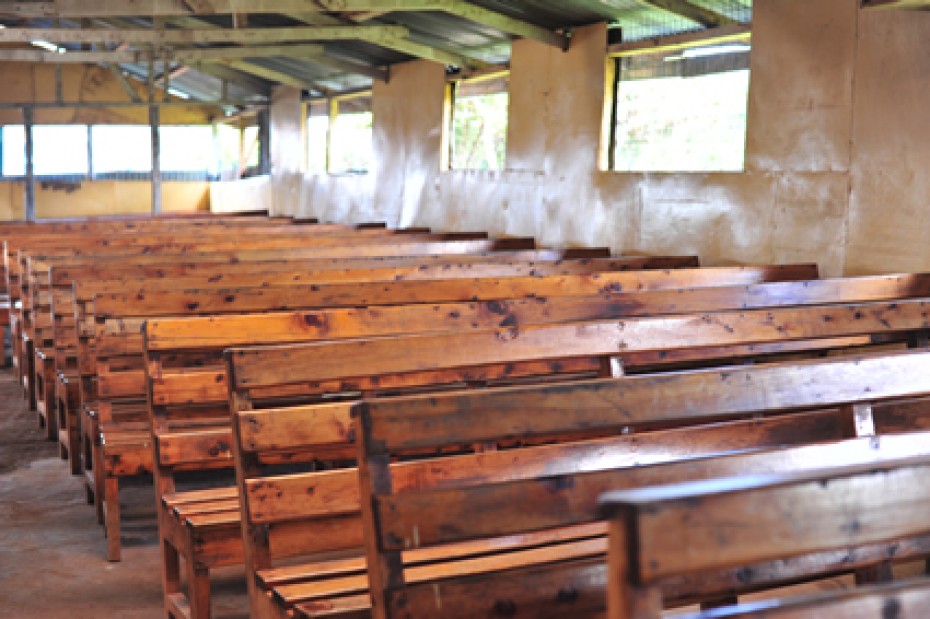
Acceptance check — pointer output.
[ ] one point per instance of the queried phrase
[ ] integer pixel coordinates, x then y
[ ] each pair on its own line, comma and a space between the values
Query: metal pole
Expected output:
30, 187
264, 141
155, 122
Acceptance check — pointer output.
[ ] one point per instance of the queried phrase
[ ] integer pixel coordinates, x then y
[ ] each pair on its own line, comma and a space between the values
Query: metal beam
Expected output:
404, 46
254, 36
192, 55
119, 8
53, 105
29, 189
698, 14
124, 84
122, 8
310, 53
736, 33
271, 75
896, 4
461, 8
155, 125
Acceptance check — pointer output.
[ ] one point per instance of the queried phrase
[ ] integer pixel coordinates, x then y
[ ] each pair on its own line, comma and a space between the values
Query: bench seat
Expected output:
313, 588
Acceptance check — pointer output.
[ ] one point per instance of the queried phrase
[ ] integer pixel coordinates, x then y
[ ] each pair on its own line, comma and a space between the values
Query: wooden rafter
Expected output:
896, 4
689, 10
112, 8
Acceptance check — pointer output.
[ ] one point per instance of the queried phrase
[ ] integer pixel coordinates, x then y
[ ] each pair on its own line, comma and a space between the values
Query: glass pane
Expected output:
121, 148
59, 150
317, 128
682, 116
188, 149
479, 131
14, 150
350, 146
253, 147
229, 138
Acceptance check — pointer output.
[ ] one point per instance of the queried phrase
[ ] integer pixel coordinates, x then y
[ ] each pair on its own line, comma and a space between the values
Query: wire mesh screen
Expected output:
639, 20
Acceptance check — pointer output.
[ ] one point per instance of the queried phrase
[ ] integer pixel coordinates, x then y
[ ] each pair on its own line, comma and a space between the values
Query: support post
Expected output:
264, 141
30, 185
155, 122
154, 125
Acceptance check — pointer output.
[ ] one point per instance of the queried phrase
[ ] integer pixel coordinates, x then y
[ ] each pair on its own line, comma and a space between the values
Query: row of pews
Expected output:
400, 423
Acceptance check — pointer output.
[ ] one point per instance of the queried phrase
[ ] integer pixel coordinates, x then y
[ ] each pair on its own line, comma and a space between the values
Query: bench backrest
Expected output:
498, 499
502, 353
657, 533
235, 251
909, 598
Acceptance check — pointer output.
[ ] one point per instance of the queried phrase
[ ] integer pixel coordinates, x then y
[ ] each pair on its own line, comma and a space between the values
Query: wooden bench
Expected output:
61, 299
394, 291
109, 244
121, 387
208, 447
859, 510
162, 303
76, 286
407, 246
527, 515
909, 598
259, 373
76, 230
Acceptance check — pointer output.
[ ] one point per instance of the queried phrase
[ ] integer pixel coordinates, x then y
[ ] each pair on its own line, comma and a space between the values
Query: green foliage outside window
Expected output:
479, 131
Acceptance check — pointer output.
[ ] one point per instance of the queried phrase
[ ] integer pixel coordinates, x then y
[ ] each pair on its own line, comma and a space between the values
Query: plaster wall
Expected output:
92, 198
836, 139
23, 82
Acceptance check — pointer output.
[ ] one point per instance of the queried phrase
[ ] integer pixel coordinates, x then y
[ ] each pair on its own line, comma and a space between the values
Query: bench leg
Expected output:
45, 401
875, 574
29, 373
68, 431
87, 466
170, 575
100, 491
198, 589
728, 600
111, 515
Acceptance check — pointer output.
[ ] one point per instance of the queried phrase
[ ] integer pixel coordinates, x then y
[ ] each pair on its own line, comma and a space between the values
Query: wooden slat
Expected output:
278, 365
804, 512
475, 416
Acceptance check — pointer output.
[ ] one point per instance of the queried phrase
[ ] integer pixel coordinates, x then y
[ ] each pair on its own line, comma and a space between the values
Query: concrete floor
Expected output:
52, 549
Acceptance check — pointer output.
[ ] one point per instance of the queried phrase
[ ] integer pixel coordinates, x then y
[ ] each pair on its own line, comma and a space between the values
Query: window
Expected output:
684, 111
60, 150
188, 149
239, 150
195, 152
121, 149
350, 135
317, 136
478, 135
14, 150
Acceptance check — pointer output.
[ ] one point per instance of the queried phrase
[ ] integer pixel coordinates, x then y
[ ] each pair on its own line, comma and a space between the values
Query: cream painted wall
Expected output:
836, 143
91, 198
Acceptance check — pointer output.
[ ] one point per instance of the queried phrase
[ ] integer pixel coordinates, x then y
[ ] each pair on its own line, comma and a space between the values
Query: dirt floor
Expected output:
52, 549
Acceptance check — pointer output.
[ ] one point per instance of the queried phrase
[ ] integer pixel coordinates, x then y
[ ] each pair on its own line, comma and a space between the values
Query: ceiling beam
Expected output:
404, 46
270, 75
466, 10
138, 36
896, 4
697, 14
176, 55
167, 8
314, 54
737, 33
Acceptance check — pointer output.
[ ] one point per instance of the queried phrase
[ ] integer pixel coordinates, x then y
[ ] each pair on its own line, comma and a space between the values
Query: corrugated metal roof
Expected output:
637, 19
